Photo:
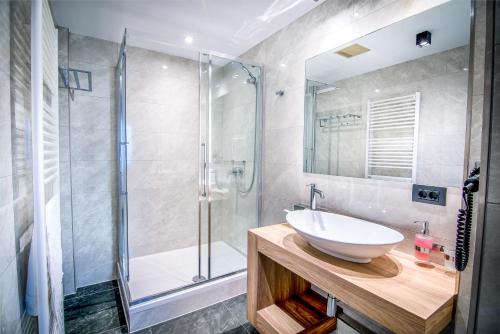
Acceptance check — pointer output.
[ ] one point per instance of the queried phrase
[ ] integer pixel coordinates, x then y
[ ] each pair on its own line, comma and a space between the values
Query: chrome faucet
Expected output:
312, 198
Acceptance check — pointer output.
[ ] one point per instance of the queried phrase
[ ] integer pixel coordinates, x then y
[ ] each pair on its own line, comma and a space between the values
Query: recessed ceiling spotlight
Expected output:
283, 65
465, 69
188, 39
423, 39
377, 90
356, 14
235, 76
164, 67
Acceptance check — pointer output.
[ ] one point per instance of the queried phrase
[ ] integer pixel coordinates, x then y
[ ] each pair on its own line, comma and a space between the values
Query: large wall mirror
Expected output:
391, 105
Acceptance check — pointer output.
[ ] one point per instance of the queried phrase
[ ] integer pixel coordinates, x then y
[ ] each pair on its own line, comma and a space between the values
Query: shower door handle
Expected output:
204, 170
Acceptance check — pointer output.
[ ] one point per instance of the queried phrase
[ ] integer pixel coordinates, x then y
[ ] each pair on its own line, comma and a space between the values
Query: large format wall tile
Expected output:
92, 113
7, 242
100, 146
10, 310
5, 152
95, 251
4, 97
93, 176
4, 38
92, 50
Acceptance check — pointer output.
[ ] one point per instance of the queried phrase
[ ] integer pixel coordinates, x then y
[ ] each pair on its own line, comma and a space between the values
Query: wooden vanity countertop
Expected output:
395, 290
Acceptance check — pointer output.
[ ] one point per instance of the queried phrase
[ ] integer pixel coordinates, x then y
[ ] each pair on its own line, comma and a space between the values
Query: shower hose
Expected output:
247, 190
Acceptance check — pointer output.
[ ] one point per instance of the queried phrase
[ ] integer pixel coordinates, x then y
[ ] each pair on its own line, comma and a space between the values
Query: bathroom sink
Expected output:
348, 238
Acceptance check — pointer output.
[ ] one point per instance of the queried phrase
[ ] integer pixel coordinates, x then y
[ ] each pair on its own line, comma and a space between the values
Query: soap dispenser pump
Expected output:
423, 242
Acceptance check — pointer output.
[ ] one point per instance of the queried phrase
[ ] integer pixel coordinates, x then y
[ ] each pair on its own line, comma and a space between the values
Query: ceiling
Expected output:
225, 26
449, 25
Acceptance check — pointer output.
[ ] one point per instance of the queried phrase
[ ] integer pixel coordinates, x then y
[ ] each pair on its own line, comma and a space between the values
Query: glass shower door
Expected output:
122, 163
232, 171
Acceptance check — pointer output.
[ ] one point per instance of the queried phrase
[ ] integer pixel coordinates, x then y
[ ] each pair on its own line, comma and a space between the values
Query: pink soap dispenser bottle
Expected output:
423, 243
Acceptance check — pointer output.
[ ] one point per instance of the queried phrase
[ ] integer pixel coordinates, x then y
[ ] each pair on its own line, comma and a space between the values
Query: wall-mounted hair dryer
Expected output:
464, 221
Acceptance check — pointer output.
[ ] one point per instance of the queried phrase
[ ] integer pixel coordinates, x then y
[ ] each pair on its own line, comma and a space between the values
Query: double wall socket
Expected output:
429, 194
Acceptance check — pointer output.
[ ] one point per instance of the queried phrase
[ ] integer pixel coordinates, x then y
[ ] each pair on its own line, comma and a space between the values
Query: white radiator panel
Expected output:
50, 170
392, 138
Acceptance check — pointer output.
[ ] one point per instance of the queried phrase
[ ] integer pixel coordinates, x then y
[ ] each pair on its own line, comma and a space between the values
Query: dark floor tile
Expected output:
237, 330
211, 320
121, 330
88, 304
95, 288
96, 322
250, 329
237, 306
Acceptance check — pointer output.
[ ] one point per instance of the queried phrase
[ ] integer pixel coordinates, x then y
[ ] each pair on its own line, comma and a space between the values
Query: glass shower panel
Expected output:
122, 163
233, 172
162, 126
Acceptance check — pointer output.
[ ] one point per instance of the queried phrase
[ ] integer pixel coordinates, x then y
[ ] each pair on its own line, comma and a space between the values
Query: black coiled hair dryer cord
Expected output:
464, 221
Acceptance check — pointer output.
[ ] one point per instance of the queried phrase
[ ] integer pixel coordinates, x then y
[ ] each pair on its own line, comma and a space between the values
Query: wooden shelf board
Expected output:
273, 319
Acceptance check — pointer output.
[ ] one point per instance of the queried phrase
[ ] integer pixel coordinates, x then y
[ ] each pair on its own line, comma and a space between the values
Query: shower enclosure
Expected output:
188, 148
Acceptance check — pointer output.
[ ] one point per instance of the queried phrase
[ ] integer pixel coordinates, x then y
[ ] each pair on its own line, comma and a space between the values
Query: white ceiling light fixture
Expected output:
164, 67
188, 39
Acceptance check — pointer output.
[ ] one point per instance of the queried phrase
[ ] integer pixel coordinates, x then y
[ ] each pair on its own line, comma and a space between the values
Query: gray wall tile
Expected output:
10, 310
7, 241
95, 251
488, 304
92, 50
494, 171
93, 176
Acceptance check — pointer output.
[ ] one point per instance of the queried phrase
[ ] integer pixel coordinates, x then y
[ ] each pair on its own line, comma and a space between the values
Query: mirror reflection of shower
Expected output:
239, 167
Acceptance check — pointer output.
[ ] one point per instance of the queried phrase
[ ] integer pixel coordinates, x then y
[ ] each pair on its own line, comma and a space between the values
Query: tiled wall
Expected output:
442, 82
16, 198
330, 25
162, 166
88, 164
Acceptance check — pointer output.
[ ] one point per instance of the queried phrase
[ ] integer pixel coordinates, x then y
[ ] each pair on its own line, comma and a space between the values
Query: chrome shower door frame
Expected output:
121, 151
206, 113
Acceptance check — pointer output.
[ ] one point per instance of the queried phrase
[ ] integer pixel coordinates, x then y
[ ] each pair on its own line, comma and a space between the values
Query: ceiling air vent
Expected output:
352, 50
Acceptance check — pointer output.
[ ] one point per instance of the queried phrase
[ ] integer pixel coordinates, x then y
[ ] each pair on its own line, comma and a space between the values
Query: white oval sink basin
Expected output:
348, 238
